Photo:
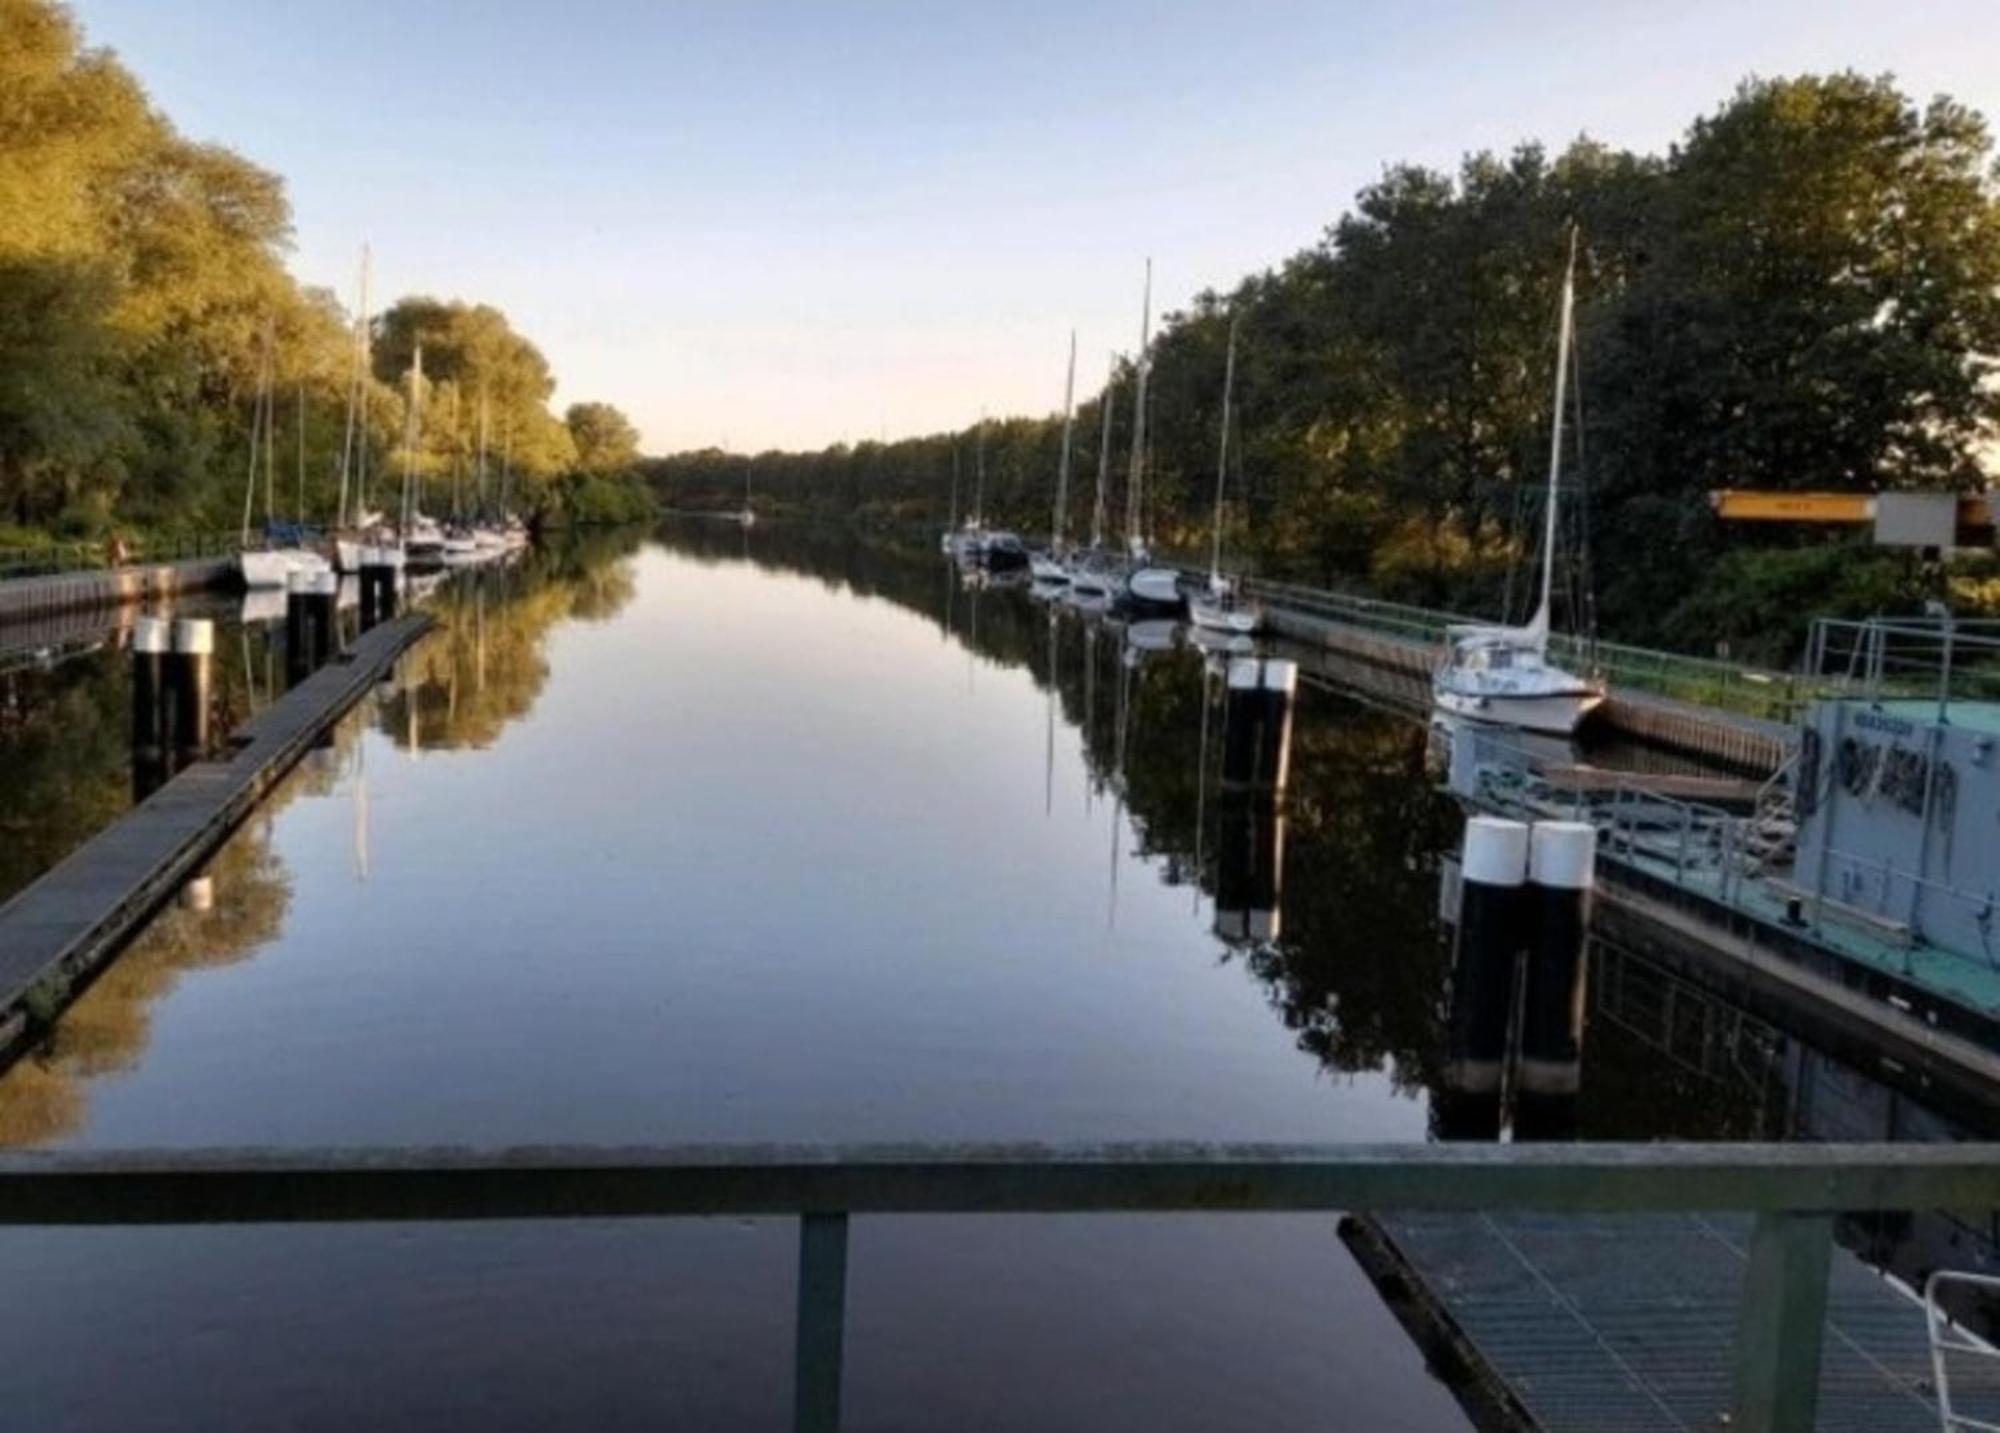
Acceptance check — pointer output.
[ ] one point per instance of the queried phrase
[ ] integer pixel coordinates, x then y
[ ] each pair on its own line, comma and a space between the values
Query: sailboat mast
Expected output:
1135, 536
1062, 471
1103, 452
410, 428
1222, 453
979, 476
482, 451
954, 485
270, 424
256, 436
1540, 624
301, 508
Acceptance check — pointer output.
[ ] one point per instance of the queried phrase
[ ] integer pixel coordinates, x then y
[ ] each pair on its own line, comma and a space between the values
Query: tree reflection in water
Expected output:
68, 757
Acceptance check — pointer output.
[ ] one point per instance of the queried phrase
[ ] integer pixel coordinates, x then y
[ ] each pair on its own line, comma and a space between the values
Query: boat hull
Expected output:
1048, 570
1556, 713
1237, 621
271, 569
1156, 588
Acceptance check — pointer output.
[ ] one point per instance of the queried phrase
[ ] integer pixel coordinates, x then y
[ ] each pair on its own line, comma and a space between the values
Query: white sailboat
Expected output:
1220, 607
269, 567
351, 536
1502, 675
422, 538
1093, 572
1147, 584
1048, 566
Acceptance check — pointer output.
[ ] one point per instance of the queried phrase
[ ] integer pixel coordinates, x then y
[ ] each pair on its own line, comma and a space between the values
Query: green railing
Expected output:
1793, 1190
1747, 690
57, 558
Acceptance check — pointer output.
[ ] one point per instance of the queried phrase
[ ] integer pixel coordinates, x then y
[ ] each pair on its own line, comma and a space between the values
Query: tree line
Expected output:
143, 286
1803, 292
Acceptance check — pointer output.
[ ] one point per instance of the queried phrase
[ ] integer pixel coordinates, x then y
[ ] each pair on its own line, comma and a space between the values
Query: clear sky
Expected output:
768, 224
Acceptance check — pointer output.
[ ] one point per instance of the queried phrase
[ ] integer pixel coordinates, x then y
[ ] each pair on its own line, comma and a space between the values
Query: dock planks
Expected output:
61, 929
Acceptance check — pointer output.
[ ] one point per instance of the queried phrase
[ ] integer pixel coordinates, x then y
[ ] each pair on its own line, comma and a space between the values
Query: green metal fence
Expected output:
1793, 1190
56, 558
1731, 686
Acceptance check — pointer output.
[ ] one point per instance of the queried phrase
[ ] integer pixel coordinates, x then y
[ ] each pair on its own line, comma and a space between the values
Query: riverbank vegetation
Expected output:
1803, 293
142, 276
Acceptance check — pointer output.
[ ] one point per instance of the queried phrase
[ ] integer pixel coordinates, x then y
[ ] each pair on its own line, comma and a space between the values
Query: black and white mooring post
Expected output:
1562, 870
379, 571
188, 684
1493, 873
322, 594
298, 630
1257, 722
1249, 868
151, 637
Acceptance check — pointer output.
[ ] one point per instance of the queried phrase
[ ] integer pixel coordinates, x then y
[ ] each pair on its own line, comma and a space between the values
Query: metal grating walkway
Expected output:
1624, 1323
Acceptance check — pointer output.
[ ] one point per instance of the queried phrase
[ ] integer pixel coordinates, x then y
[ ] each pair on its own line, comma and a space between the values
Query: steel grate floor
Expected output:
1610, 1323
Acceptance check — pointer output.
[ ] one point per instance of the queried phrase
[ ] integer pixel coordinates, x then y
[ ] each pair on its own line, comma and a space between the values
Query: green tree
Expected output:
606, 442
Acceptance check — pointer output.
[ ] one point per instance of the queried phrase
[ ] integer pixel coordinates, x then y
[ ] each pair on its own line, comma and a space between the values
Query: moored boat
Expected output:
1501, 674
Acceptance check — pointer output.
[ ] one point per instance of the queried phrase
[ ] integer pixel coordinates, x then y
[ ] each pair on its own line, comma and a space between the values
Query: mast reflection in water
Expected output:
707, 847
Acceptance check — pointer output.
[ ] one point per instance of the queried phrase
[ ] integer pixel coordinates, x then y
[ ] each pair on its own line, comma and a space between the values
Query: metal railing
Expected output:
1938, 659
57, 558
1794, 1191
1722, 855
1748, 690
1949, 1337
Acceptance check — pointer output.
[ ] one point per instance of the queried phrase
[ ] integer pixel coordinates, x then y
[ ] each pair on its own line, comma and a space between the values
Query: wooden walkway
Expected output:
58, 932
1624, 1323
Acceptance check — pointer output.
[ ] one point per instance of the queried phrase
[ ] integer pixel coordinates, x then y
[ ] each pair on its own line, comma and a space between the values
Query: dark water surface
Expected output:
790, 838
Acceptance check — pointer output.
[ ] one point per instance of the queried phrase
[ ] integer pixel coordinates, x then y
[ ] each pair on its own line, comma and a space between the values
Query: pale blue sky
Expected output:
791, 224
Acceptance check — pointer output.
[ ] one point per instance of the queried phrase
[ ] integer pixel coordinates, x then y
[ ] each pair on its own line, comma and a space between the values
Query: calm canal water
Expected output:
788, 837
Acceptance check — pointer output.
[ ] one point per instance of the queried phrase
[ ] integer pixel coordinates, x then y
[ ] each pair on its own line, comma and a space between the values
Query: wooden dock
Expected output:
40, 597
57, 933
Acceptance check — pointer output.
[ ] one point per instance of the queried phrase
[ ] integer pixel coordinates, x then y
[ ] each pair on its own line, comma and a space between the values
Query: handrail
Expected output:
1794, 1190
1754, 691
55, 559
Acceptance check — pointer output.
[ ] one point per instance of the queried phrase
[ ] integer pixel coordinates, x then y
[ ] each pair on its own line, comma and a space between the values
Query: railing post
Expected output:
821, 1322
1782, 1323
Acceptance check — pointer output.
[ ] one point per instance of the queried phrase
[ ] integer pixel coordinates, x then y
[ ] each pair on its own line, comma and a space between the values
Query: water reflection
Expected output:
67, 762
749, 864
232, 909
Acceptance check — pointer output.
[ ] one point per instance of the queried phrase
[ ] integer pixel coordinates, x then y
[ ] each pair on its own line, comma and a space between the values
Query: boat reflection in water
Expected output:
1313, 1001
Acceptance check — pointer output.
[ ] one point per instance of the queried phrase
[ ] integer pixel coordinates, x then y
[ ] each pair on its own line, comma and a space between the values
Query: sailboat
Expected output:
1502, 675
423, 539
1147, 584
351, 527
749, 514
461, 546
271, 566
513, 531
1219, 607
993, 551
1094, 572
488, 537
1048, 566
